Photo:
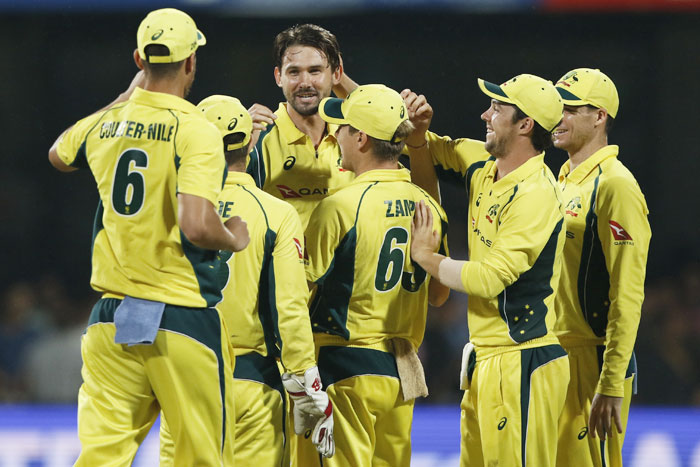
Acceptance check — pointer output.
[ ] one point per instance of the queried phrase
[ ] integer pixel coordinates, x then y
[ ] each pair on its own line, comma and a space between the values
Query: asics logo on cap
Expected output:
157, 34
232, 124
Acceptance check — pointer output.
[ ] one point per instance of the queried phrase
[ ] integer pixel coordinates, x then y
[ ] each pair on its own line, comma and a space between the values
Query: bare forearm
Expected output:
202, 226
422, 169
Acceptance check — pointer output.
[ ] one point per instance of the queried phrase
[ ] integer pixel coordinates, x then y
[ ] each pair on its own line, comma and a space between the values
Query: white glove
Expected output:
312, 409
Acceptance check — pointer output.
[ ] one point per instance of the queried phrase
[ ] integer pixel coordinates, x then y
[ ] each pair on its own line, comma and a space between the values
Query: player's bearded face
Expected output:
499, 126
305, 78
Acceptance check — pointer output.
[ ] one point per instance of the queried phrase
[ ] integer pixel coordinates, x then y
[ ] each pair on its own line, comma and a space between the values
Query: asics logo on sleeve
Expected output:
502, 423
582, 434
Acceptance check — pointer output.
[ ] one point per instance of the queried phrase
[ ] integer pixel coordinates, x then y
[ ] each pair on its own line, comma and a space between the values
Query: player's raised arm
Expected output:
345, 84
54, 157
422, 170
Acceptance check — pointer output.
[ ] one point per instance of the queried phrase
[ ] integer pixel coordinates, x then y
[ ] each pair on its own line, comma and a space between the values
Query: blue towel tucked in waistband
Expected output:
137, 321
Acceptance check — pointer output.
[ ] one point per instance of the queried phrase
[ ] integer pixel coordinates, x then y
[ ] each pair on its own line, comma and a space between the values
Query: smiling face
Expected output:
500, 128
347, 146
305, 78
577, 127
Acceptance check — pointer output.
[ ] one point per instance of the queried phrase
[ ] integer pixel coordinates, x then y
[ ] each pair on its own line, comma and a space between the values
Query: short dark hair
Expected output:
309, 35
608, 123
160, 70
386, 150
541, 138
237, 154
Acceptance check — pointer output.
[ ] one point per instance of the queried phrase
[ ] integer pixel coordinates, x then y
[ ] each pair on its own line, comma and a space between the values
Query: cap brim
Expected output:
493, 90
201, 40
569, 98
330, 110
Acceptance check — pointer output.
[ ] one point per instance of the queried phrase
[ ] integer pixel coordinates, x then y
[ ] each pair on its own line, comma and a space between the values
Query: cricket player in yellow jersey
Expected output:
369, 308
296, 157
159, 168
602, 282
264, 303
514, 370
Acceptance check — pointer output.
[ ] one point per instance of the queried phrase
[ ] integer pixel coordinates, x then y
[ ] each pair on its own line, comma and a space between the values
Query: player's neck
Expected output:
513, 158
237, 166
589, 148
175, 87
363, 166
311, 125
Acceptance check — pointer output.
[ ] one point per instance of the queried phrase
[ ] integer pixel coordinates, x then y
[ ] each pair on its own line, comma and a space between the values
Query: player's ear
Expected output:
337, 73
526, 125
137, 59
601, 117
362, 140
190, 63
278, 77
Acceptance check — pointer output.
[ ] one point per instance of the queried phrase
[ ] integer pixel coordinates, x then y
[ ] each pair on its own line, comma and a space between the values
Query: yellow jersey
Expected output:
515, 241
358, 244
285, 164
142, 153
602, 283
264, 289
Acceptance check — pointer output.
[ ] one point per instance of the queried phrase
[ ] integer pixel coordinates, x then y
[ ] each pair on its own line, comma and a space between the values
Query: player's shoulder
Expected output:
615, 173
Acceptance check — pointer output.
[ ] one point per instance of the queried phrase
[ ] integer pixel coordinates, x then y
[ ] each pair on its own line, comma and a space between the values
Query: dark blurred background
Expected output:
63, 60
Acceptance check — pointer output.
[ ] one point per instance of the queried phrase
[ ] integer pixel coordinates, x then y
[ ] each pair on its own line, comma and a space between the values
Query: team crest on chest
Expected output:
493, 212
573, 207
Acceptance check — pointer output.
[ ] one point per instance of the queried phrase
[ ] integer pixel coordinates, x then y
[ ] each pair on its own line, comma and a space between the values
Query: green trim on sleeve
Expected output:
593, 276
522, 304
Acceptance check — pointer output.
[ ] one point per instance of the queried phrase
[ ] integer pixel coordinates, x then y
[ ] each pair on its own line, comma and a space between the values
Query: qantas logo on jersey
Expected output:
287, 192
620, 234
300, 250
573, 207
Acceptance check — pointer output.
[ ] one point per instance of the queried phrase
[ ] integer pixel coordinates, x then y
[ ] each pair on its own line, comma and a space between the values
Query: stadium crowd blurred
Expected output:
41, 324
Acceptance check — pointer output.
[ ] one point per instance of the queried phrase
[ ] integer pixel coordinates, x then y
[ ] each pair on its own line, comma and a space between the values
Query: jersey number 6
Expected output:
391, 257
129, 187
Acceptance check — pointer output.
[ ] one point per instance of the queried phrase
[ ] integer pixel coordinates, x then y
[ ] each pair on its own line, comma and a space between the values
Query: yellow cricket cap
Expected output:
229, 116
588, 86
372, 108
535, 96
172, 28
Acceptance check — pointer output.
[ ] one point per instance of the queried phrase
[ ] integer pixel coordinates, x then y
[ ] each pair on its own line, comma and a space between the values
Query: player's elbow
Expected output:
196, 233
56, 161
437, 293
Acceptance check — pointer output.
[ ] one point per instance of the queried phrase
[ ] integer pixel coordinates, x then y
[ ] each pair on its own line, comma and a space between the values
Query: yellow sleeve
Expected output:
291, 294
323, 234
526, 225
624, 234
200, 153
71, 147
455, 155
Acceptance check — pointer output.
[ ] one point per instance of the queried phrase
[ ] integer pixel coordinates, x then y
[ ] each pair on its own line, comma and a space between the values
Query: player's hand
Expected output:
424, 240
420, 113
605, 409
312, 409
262, 117
239, 228
139, 80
